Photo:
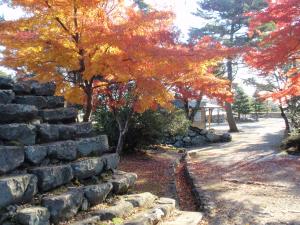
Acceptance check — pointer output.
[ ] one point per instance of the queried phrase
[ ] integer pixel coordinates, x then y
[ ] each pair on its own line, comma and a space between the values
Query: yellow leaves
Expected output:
75, 95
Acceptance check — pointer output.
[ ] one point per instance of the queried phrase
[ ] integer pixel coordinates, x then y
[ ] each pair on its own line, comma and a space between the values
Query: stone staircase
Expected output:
56, 171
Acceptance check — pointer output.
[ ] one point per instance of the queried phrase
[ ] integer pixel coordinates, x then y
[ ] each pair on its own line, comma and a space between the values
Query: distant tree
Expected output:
241, 104
142, 5
228, 23
267, 88
257, 105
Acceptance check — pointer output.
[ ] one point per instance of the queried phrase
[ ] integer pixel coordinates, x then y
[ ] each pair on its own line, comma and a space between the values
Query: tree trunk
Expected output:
186, 109
120, 145
229, 114
286, 121
195, 109
123, 128
89, 106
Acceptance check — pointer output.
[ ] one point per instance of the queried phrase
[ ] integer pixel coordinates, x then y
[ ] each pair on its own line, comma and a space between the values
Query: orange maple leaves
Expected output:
88, 47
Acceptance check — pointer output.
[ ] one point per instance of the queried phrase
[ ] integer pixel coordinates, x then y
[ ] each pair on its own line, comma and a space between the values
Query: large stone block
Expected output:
83, 129
16, 189
6, 96
63, 150
44, 89
35, 154
22, 88
59, 115
17, 113
92, 146
143, 200
119, 209
21, 133
52, 176
55, 132
38, 101
96, 194
86, 168
122, 181
64, 206
10, 158
111, 161
55, 102
199, 140
6, 83
212, 137
47, 133
33, 216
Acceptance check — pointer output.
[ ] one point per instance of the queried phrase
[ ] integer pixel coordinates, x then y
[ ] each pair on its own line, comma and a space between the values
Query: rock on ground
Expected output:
33, 216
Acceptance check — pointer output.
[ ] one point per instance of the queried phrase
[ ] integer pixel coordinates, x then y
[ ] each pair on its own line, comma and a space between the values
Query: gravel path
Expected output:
248, 181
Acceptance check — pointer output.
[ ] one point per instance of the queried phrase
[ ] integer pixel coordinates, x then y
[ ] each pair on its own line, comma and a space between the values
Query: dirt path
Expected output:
248, 181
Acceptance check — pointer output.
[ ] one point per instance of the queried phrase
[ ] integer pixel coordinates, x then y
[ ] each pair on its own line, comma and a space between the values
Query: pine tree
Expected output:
241, 104
228, 23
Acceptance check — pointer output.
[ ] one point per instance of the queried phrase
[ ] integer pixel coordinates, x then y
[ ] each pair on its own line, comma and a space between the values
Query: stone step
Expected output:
34, 215
41, 102
163, 207
19, 133
15, 113
68, 150
6, 96
44, 89
183, 218
122, 207
59, 115
50, 177
83, 129
32, 87
93, 145
58, 132
17, 189
122, 181
64, 206
6, 83
11, 157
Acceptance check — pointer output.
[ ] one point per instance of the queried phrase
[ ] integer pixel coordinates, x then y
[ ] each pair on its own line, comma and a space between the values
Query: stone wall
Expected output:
42, 149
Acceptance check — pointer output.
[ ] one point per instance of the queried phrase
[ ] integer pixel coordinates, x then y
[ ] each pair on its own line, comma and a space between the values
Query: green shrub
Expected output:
144, 129
292, 143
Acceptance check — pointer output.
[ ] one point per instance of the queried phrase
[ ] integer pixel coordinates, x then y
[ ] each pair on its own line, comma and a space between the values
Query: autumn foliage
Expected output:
108, 52
279, 47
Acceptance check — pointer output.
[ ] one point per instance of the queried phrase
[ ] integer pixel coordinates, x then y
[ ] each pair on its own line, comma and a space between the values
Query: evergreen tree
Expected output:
241, 104
257, 105
228, 23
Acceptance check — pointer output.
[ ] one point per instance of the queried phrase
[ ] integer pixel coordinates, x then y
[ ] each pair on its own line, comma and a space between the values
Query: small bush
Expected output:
144, 129
292, 143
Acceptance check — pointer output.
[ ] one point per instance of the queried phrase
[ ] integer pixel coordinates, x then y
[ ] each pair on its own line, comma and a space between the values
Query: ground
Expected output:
248, 181
161, 173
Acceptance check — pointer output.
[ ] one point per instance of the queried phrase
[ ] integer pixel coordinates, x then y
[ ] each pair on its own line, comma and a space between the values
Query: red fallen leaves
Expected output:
184, 190
155, 174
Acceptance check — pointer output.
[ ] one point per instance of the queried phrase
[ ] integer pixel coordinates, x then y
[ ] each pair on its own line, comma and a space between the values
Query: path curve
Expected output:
248, 181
